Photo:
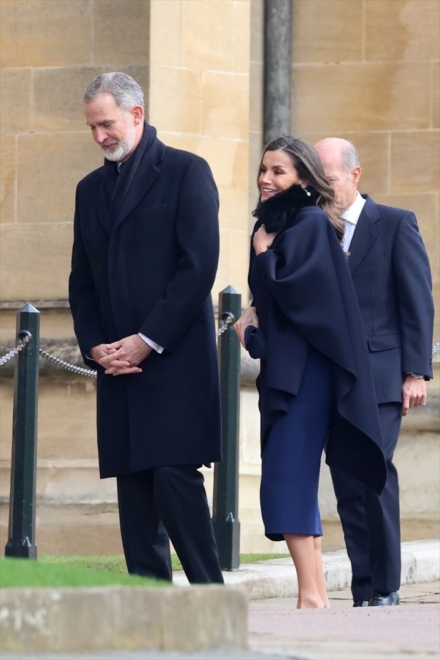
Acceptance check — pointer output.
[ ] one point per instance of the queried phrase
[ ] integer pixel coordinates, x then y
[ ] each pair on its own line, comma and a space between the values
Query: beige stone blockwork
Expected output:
234, 262
35, 261
358, 97
208, 35
256, 97
402, 29
7, 178
415, 162
241, 37
327, 31
49, 167
15, 95
436, 95
166, 37
45, 32
121, 31
225, 105
175, 104
66, 419
58, 94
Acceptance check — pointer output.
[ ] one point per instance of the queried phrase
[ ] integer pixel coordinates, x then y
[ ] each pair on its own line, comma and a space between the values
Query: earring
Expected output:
308, 193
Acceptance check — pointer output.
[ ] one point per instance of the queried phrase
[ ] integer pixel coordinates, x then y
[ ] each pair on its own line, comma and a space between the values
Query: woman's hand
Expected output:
262, 240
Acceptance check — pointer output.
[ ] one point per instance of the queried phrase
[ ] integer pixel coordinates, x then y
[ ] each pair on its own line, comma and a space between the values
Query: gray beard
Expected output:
120, 152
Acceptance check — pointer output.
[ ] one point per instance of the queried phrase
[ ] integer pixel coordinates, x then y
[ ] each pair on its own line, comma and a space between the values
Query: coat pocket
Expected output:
384, 342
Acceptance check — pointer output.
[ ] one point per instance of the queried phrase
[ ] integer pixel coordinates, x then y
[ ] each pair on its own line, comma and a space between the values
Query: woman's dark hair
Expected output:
306, 162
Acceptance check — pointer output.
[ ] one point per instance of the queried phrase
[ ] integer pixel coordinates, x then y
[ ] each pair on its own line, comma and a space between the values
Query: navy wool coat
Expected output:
144, 260
392, 279
304, 295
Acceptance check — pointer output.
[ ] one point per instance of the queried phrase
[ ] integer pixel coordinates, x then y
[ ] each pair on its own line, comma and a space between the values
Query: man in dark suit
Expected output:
392, 279
144, 260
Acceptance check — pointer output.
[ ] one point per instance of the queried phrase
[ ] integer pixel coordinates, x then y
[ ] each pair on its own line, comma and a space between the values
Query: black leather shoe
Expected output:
360, 603
379, 599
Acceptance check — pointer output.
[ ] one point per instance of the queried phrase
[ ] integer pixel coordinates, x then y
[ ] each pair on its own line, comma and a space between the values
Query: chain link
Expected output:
23, 342
66, 365
227, 323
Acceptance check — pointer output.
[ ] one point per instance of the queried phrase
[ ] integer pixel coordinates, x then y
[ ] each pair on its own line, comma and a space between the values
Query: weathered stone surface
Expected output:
15, 94
436, 95
49, 168
166, 39
361, 97
225, 105
34, 259
7, 178
329, 31
212, 47
58, 93
78, 620
121, 32
402, 30
167, 110
415, 162
45, 32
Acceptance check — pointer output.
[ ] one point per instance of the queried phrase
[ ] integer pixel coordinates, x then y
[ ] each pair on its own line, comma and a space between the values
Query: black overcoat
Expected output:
304, 295
145, 261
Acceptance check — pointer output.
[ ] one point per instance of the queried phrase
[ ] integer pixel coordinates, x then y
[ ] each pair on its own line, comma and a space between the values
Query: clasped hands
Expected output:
121, 357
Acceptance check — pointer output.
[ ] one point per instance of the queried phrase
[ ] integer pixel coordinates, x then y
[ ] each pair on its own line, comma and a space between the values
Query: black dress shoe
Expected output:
360, 603
379, 599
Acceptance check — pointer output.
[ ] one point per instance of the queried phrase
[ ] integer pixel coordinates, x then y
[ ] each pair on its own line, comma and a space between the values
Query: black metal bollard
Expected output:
21, 536
225, 502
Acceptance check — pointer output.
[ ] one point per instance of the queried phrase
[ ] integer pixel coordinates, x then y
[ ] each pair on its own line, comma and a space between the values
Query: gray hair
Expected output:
124, 89
350, 157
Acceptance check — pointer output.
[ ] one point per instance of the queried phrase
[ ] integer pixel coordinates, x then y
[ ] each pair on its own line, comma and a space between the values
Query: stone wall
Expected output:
50, 50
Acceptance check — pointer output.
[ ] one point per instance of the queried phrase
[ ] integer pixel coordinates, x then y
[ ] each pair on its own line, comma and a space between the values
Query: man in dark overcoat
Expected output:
144, 260
391, 275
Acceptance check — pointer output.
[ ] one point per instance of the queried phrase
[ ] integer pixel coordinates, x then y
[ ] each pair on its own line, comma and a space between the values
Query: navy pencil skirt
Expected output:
291, 459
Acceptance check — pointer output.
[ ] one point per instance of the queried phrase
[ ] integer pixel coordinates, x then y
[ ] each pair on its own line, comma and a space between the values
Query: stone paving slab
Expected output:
276, 578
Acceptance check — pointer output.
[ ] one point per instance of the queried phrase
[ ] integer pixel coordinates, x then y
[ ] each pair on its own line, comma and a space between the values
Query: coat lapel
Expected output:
365, 233
141, 176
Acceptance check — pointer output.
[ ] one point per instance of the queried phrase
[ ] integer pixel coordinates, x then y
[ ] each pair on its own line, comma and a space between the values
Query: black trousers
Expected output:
162, 504
371, 522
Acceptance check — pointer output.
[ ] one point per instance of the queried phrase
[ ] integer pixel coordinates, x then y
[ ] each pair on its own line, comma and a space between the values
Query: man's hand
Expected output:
414, 393
249, 317
124, 356
262, 240
100, 351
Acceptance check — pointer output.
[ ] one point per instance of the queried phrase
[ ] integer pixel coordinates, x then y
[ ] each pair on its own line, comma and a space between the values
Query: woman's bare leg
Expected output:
319, 569
302, 550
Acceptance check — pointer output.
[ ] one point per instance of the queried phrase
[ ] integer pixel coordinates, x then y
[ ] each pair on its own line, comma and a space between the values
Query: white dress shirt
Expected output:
351, 217
157, 347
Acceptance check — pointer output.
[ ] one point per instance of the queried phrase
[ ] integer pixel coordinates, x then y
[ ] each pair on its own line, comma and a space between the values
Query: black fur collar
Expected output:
278, 212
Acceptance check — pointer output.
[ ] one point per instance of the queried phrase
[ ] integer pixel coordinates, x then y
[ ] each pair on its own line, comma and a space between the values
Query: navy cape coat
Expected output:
144, 260
304, 295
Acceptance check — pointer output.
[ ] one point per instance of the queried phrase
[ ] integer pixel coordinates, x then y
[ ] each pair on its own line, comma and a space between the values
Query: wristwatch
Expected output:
418, 376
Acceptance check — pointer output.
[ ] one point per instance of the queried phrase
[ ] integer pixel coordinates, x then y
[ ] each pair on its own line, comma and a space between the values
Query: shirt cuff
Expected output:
157, 347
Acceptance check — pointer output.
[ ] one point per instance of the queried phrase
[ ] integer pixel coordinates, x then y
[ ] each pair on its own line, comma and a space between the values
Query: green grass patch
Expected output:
116, 563
44, 573
85, 571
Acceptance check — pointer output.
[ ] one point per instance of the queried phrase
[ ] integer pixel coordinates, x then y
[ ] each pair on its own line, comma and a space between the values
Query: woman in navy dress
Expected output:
315, 383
